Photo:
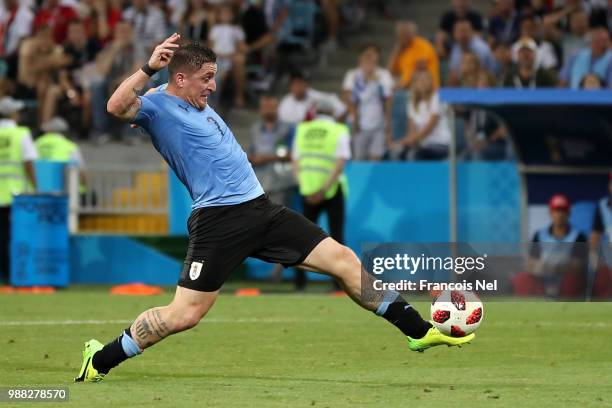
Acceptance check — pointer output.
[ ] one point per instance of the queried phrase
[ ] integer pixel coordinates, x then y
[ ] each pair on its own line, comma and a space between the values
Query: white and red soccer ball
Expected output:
456, 313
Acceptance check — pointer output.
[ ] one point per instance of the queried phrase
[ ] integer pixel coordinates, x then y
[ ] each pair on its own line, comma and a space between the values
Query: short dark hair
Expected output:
368, 46
462, 20
298, 75
190, 57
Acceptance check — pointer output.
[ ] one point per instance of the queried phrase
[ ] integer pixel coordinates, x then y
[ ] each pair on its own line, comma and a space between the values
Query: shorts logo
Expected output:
194, 271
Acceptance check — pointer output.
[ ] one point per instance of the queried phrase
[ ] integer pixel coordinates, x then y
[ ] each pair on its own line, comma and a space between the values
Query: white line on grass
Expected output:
102, 322
281, 320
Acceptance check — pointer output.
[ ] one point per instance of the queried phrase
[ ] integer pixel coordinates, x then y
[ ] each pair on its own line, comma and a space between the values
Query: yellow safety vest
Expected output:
13, 178
316, 144
54, 147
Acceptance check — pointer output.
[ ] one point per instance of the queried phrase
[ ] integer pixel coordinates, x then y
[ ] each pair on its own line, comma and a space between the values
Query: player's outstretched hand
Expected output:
162, 54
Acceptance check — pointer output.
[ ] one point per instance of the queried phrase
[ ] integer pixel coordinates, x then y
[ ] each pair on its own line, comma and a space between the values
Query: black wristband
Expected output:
146, 68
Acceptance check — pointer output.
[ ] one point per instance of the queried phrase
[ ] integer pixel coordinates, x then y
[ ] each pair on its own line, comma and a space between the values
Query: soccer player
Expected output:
231, 219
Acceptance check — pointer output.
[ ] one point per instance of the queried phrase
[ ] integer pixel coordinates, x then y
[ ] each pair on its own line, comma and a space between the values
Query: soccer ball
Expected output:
456, 313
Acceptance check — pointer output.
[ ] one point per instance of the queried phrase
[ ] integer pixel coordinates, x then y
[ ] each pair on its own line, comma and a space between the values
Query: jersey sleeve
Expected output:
147, 113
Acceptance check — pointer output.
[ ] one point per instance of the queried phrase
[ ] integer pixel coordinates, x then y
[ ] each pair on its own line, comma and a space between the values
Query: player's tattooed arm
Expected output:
125, 101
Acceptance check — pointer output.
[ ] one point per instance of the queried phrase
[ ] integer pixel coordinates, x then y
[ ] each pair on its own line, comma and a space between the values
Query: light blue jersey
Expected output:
200, 148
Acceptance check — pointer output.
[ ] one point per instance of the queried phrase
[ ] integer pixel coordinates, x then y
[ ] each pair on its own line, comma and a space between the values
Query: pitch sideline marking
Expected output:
277, 320
101, 322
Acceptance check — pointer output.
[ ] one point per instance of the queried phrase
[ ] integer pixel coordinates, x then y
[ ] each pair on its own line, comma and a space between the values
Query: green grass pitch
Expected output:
310, 351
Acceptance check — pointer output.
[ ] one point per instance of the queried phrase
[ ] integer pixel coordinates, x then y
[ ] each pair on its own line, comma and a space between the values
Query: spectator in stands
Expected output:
412, 52
577, 37
70, 88
602, 234
56, 15
429, 133
486, 135
602, 224
196, 21
560, 17
15, 25
526, 74
270, 143
227, 40
546, 56
114, 63
470, 68
596, 59
148, 24
460, 10
368, 91
504, 25
17, 152
503, 60
39, 61
466, 40
557, 260
100, 18
536, 8
332, 20
299, 104
258, 35
592, 82
270, 137
276, 12
295, 27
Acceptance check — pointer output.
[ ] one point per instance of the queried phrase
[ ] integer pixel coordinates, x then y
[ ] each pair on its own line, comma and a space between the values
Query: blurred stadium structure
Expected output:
561, 139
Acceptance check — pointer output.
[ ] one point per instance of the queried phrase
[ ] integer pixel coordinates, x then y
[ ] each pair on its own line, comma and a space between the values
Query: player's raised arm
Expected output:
124, 103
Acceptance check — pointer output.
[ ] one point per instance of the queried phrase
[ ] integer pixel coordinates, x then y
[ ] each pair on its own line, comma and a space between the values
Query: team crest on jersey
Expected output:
195, 270
212, 120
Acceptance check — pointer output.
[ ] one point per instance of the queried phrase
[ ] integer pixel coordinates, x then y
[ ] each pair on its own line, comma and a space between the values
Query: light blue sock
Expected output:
130, 348
390, 297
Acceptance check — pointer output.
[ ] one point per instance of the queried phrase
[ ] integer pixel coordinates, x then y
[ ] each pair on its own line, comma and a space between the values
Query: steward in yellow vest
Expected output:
320, 151
17, 174
13, 163
54, 146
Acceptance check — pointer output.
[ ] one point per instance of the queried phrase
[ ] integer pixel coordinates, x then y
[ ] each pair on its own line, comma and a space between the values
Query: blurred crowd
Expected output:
65, 57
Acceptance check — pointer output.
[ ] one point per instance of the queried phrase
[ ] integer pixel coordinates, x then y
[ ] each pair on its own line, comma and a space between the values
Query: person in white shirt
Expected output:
299, 104
227, 41
368, 90
429, 134
16, 23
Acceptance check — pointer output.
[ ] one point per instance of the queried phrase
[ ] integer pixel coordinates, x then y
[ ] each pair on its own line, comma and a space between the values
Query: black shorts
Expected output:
221, 238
